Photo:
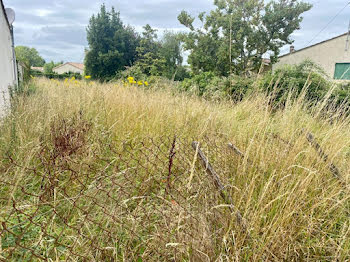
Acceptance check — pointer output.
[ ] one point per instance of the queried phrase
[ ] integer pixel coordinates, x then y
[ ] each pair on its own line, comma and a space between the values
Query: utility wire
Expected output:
330, 22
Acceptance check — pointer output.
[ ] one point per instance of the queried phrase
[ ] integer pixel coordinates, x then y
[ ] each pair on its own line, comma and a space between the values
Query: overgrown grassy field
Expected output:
88, 174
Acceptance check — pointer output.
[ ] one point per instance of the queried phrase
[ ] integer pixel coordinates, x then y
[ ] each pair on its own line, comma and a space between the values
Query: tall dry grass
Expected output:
295, 209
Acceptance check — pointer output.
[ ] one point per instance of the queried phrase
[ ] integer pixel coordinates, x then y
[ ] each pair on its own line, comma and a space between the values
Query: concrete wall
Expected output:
325, 54
7, 70
66, 68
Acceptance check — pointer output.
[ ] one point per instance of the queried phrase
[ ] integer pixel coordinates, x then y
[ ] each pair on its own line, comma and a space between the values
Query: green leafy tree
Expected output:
149, 58
171, 51
112, 45
29, 56
235, 36
48, 67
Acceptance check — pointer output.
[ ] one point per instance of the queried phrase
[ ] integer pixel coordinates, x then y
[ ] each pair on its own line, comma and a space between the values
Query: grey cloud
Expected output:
57, 27
66, 34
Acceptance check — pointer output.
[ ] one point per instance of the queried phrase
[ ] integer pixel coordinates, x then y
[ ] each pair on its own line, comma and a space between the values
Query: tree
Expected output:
112, 45
149, 58
235, 36
29, 56
48, 67
171, 51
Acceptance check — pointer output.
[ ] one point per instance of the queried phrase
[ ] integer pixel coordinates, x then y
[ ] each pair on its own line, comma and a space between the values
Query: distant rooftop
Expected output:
77, 65
296, 51
37, 68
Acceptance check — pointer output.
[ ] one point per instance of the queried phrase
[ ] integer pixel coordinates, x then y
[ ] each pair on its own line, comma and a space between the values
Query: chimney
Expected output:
292, 49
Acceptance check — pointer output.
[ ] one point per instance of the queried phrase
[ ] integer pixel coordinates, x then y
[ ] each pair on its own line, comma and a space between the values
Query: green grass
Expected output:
85, 175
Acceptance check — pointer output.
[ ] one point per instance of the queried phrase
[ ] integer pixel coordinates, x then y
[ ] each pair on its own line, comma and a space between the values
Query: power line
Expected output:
330, 22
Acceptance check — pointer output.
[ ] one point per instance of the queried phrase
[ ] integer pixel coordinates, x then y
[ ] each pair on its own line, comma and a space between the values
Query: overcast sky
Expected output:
56, 28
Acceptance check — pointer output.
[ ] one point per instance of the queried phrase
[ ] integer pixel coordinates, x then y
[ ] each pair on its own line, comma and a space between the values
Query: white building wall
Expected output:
66, 68
7, 70
325, 54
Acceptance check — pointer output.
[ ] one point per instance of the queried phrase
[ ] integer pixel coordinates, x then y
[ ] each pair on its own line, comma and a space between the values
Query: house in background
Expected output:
70, 67
37, 68
333, 55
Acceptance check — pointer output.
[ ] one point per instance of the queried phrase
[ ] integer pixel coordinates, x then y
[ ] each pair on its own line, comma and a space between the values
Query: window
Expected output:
342, 71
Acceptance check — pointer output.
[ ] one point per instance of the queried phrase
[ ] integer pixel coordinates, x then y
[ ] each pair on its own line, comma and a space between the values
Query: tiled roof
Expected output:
77, 65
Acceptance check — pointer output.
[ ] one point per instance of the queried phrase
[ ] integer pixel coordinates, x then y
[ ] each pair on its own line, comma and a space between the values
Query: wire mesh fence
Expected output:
146, 200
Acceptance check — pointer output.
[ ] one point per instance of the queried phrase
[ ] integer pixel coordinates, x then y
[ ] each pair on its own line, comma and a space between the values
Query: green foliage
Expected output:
235, 36
112, 45
295, 78
48, 67
210, 86
198, 83
26, 71
134, 71
182, 72
306, 79
53, 75
29, 56
149, 58
171, 51
161, 58
341, 95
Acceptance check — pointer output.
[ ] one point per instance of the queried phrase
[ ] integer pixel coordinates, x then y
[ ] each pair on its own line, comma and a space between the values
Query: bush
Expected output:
342, 93
198, 83
341, 96
134, 71
296, 78
57, 76
181, 74
209, 85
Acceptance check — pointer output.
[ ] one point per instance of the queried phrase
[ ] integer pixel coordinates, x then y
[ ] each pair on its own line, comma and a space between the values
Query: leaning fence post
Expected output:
172, 154
236, 150
211, 172
332, 167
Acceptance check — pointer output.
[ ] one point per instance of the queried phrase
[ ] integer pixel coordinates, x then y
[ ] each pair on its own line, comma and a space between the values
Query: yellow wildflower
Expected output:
140, 83
131, 79
146, 83
87, 77
73, 78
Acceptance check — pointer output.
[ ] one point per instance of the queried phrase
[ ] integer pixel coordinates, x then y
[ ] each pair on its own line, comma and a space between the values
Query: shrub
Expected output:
342, 93
341, 96
57, 76
181, 74
134, 71
209, 85
294, 78
198, 83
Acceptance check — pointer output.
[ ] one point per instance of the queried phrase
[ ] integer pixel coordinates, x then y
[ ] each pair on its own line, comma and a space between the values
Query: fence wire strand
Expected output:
133, 203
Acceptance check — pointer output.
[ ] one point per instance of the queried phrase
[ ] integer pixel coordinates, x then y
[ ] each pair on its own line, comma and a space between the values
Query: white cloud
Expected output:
43, 12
